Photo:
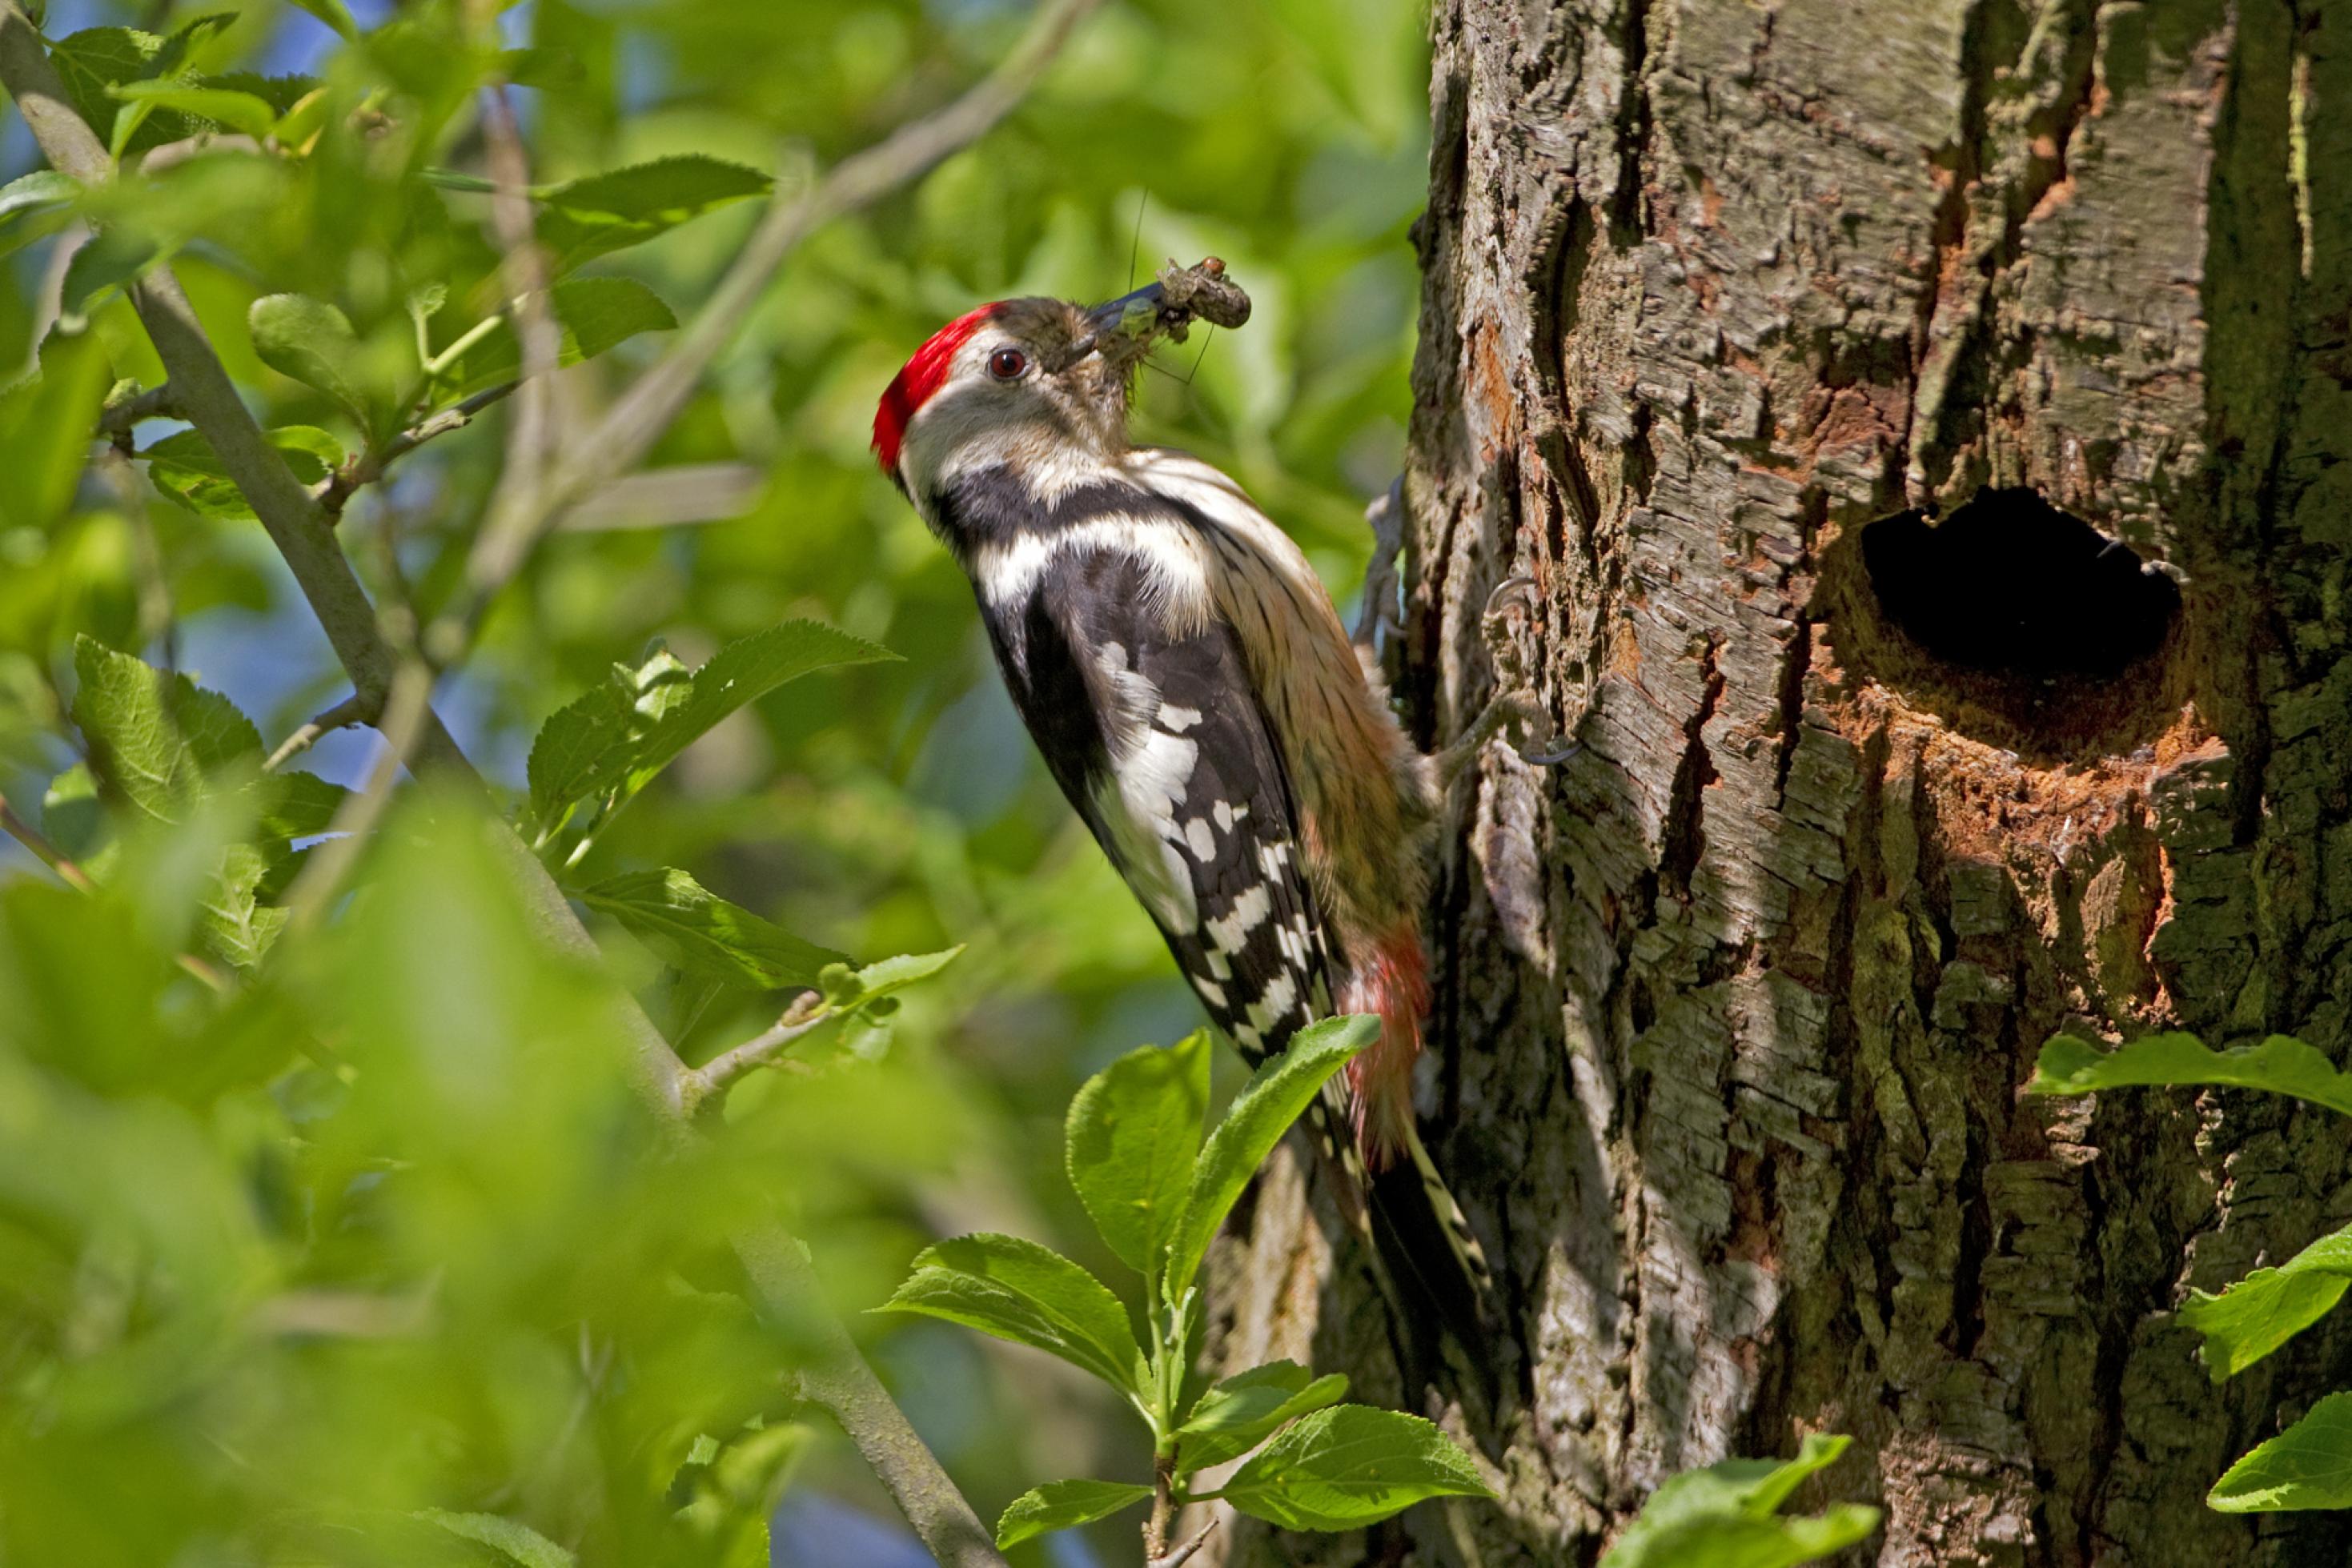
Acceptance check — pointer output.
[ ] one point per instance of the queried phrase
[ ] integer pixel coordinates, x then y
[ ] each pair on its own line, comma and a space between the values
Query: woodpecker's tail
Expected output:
1429, 1266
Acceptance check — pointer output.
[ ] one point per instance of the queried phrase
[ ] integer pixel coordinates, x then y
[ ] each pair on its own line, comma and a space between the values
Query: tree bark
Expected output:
1735, 1005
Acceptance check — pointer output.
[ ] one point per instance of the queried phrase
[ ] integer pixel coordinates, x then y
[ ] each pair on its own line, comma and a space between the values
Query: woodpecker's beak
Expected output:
1122, 329
1128, 319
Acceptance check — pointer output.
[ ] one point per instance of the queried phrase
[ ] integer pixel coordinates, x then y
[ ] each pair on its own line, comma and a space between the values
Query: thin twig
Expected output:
1183, 1555
706, 1083
335, 491
402, 725
117, 419
342, 716
48, 854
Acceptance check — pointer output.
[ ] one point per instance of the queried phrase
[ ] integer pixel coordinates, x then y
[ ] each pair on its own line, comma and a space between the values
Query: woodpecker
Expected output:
1192, 690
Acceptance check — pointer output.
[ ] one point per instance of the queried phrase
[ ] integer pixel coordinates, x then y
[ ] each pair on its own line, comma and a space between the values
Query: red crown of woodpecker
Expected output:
917, 379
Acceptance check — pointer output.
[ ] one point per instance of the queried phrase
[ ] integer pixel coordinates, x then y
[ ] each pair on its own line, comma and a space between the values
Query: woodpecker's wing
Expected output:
1158, 739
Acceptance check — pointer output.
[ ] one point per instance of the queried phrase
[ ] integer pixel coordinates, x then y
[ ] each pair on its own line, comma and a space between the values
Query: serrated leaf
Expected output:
1350, 1466
582, 219
2280, 1063
1018, 1290
595, 314
2270, 1306
1255, 1121
1130, 1144
153, 735
2309, 1465
1235, 1415
294, 805
1727, 1516
237, 926
183, 467
1060, 1505
611, 742
583, 750
879, 980
312, 341
516, 1542
700, 933
97, 58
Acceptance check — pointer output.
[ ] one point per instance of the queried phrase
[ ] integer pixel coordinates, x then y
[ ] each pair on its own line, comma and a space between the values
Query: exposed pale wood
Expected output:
1735, 1004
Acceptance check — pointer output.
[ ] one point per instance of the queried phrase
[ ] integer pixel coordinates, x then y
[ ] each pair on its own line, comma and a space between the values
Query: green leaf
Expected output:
1727, 1516
582, 219
113, 258
608, 744
701, 934
96, 59
1235, 1415
516, 1542
183, 467
1030, 1294
1258, 1117
237, 926
583, 750
334, 14
1058, 1505
2280, 1063
2270, 1306
34, 207
311, 341
240, 112
1129, 1145
46, 427
1350, 1466
154, 735
595, 313
2309, 1465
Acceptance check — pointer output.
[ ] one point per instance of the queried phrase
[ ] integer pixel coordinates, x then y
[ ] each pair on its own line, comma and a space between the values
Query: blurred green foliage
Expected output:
307, 1240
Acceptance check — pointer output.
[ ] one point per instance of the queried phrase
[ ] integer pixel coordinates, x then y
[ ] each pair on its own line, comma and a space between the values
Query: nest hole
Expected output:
2010, 585
2019, 624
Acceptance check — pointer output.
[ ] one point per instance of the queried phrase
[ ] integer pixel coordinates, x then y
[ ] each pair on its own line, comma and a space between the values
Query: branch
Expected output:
342, 716
1183, 1555
704, 1084
836, 1377
337, 489
116, 420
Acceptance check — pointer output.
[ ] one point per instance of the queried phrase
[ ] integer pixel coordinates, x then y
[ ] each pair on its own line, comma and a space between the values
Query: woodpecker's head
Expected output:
1034, 387
1028, 384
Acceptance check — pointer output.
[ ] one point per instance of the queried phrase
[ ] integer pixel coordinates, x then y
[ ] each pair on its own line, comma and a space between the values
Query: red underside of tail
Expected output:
1392, 982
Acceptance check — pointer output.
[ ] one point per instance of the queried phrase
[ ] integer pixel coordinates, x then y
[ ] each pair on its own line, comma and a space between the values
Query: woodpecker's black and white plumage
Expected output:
1192, 687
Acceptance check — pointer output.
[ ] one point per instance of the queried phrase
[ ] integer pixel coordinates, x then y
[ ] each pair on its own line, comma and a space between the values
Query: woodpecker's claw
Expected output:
1520, 590
1382, 614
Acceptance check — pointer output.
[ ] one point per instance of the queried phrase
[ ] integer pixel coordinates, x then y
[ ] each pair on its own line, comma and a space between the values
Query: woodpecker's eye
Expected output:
1006, 364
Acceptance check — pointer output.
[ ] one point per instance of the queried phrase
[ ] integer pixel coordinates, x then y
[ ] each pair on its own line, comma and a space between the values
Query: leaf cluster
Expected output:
2304, 1466
1158, 1191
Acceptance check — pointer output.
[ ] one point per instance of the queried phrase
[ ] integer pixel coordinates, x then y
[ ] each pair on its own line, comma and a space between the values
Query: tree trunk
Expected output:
1732, 309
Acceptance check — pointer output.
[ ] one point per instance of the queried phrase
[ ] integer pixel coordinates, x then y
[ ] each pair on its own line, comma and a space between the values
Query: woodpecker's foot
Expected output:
1381, 615
1517, 709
